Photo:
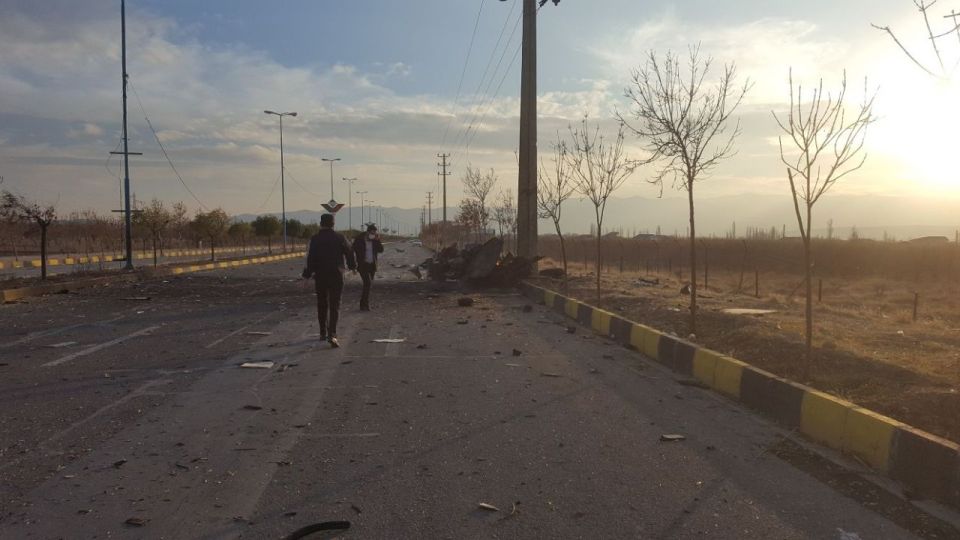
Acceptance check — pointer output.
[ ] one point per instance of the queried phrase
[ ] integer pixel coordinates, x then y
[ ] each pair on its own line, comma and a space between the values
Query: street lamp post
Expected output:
283, 195
361, 194
350, 182
331, 160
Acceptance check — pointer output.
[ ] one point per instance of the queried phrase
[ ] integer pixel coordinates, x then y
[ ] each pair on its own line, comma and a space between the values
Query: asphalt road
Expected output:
148, 417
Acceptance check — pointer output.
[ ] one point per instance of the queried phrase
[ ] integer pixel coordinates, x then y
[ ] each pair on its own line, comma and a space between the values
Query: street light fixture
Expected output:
331, 160
283, 195
350, 182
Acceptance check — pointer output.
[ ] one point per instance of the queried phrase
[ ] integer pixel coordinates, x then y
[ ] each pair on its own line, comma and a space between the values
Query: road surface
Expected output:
131, 418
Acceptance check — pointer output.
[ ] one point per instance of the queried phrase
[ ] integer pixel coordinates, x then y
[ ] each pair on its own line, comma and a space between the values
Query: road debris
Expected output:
61, 345
422, 346
672, 438
120, 463
258, 333
252, 407
465, 301
748, 311
318, 527
480, 264
135, 522
488, 507
527, 308
257, 365
517, 352
137, 299
571, 329
555, 273
389, 340
548, 374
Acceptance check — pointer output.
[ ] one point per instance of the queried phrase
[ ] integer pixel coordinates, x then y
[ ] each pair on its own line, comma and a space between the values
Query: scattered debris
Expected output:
252, 407
137, 299
488, 507
517, 352
463, 321
672, 438
356, 509
415, 270
692, 382
527, 308
646, 282
62, 345
555, 273
390, 340
257, 365
479, 263
748, 311
346, 362
571, 329
118, 464
465, 301
594, 371
258, 333
421, 346
135, 522
547, 374
318, 527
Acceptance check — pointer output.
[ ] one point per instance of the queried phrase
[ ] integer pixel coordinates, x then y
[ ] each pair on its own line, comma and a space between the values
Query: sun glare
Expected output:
918, 128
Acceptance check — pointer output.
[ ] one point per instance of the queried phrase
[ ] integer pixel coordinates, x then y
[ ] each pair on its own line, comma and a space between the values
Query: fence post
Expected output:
756, 283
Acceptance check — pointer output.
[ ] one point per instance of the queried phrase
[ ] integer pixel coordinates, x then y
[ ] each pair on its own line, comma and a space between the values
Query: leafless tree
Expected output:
685, 125
824, 143
213, 226
555, 187
18, 208
505, 214
599, 166
478, 186
941, 69
471, 216
154, 219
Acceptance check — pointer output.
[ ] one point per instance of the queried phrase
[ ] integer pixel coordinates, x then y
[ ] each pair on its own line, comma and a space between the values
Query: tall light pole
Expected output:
350, 182
361, 194
331, 160
283, 192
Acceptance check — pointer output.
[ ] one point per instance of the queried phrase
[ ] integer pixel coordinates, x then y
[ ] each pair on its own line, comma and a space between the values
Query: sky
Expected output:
387, 85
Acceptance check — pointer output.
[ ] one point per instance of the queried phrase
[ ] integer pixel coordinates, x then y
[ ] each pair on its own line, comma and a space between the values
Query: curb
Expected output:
12, 295
926, 464
113, 257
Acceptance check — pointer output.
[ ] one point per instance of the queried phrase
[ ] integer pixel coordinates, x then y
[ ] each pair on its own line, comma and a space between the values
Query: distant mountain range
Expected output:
873, 216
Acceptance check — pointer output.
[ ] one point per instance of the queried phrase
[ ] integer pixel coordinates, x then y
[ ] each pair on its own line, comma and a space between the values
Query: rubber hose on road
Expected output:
319, 527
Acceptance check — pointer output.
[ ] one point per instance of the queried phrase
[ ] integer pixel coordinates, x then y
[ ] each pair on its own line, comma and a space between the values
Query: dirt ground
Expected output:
868, 349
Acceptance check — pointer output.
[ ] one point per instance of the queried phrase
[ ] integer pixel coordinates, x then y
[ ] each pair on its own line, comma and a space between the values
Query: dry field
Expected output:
868, 349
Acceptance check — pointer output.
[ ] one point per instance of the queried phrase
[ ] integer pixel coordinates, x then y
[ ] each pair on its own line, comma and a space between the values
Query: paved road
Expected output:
148, 416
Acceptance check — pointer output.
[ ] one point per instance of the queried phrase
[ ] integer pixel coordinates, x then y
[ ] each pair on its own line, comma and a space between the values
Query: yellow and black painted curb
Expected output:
12, 295
67, 260
927, 464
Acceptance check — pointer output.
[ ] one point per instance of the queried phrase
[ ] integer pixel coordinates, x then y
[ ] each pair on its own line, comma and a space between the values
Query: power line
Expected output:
493, 54
297, 182
463, 73
487, 98
164, 150
270, 195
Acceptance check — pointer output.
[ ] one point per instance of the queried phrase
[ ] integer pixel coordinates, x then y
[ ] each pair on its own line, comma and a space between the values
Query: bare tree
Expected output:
213, 226
825, 144
684, 123
18, 208
599, 167
478, 186
942, 69
505, 213
555, 187
154, 219
471, 216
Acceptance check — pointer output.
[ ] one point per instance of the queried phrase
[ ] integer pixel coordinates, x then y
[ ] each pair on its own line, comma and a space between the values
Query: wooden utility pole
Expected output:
527, 181
444, 176
429, 208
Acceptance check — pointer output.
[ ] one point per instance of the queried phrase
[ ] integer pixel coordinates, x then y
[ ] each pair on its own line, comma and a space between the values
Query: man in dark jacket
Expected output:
366, 247
326, 256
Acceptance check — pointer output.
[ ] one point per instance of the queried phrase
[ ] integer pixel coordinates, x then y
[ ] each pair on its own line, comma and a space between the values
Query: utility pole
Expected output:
429, 208
443, 175
127, 211
283, 191
527, 181
361, 194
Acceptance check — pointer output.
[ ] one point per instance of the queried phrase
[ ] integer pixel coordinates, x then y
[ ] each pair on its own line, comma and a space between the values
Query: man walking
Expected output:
366, 247
325, 263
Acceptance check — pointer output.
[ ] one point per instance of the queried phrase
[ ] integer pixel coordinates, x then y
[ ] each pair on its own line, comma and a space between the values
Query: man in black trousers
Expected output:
326, 256
366, 247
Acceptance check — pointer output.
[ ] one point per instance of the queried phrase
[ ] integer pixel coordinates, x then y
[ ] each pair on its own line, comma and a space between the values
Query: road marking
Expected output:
141, 391
393, 349
95, 348
235, 332
55, 331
